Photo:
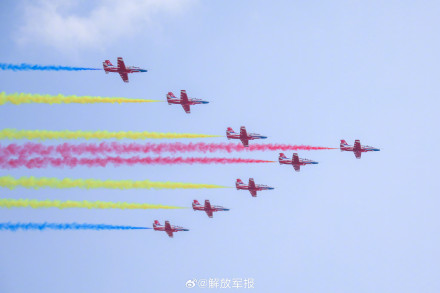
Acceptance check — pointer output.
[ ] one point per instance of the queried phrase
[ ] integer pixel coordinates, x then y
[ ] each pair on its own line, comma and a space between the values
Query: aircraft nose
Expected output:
315, 163
205, 102
143, 70
263, 137
377, 150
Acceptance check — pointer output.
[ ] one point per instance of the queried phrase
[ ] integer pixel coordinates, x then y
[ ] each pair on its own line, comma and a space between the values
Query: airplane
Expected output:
243, 136
208, 208
357, 149
184, 101
167, 228
252, 187
121, 68
296, 162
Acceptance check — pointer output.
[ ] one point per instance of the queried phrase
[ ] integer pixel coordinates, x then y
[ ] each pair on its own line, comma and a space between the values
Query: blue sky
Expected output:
300, 73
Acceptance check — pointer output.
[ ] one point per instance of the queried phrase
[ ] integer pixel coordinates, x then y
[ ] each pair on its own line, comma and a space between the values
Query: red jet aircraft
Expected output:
252, 187
167, 228
357, 149
296, 162
243, 136
208, 208
184, 101
121, 68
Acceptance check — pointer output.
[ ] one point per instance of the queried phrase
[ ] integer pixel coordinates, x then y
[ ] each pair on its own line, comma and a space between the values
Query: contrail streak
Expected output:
27, 67
69, 204
64, 226
43, 162
23, 98
43, 182
68, 149
9, 133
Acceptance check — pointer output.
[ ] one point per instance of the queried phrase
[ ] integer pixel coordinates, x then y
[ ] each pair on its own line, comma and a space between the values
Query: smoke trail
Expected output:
64, 226
69, 204
26, 67
9, 133
36, 183
67, 149
72, 162
18, 99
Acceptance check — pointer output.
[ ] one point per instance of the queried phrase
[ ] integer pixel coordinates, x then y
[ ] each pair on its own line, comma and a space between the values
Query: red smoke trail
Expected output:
68, 149
71, 162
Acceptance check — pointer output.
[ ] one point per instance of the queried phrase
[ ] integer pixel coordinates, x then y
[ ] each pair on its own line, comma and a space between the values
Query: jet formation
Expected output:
243, 136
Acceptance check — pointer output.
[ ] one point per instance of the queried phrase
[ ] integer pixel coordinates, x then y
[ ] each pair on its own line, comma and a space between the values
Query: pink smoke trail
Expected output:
43, 162
68, 149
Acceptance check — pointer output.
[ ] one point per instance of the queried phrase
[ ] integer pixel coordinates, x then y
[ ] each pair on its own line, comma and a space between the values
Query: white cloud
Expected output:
58, 23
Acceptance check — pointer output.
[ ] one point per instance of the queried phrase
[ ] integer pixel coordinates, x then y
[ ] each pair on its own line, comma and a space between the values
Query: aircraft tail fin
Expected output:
295, 158
281, 157
343, 144
170, 96
229, 131
195, 203
156, 223
238, 183
106, 64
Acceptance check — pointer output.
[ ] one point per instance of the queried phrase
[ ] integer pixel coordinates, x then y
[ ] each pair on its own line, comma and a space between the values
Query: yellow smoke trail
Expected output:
36, 183
38, 204
9, 133
23, 98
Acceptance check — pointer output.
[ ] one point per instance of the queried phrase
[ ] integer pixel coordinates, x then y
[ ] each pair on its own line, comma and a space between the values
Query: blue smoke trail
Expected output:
25, 67
67, 226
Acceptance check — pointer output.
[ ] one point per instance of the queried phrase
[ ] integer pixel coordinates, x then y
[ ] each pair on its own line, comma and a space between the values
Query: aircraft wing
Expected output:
209, 213
253, 193
243, 132
168, 229
187, 108
121, 64
357, 144
244, 137
207, 205
184, 96
357, 154
252, 183
244, 141
296, 167
124, 76
295, 158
